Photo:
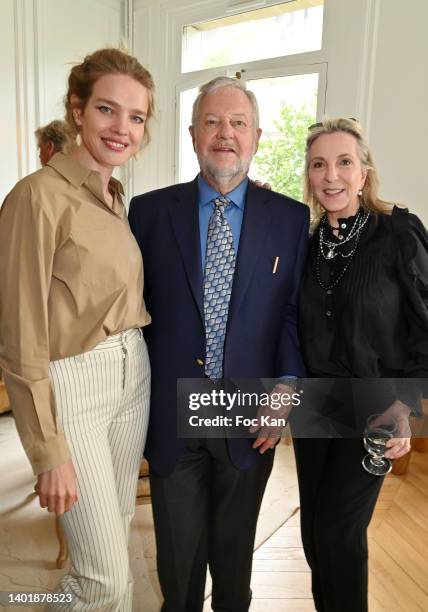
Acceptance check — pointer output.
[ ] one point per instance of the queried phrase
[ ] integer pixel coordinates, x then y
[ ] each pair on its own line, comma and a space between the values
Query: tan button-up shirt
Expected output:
71, 274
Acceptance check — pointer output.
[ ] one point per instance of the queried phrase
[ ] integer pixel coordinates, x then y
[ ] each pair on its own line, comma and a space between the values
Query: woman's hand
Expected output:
267, 186
57, 488
400, 445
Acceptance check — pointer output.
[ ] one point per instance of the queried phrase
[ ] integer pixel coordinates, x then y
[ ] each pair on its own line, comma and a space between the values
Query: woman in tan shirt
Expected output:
71, 311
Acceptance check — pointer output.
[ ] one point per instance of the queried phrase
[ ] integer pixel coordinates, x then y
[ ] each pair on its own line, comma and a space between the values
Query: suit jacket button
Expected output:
200, 361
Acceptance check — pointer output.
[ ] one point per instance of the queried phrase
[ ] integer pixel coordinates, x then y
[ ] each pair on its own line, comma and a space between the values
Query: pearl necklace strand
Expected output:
359, 223
361, 219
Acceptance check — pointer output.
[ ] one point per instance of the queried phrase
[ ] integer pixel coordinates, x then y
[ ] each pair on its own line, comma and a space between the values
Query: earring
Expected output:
78, 139
360, 193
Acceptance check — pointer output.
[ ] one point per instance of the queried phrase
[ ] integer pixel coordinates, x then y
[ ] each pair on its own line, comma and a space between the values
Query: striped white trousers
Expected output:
102, 399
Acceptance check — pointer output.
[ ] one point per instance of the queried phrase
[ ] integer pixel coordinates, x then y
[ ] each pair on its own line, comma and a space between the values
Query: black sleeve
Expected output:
412, 268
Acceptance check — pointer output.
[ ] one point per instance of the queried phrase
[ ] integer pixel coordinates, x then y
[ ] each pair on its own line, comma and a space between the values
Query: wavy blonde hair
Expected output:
370, 193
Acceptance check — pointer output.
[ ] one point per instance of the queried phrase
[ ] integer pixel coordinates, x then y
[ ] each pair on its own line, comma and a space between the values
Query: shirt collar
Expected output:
207, 193
344, 225
77, 174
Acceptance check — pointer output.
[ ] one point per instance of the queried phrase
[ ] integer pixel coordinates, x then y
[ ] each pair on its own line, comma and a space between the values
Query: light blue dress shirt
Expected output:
234, 213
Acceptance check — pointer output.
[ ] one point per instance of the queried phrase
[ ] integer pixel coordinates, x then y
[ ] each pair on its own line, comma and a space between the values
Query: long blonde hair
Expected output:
370, 193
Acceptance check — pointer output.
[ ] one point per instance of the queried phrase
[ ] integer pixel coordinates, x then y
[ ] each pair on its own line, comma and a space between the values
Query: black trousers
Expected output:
337, 499
205, 513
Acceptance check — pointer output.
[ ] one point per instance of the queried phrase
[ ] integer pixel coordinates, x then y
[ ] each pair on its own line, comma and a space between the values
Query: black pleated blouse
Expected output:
374, 323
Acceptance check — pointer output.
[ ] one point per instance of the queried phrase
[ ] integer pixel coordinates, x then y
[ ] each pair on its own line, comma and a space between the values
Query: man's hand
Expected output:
57, 488
269, 435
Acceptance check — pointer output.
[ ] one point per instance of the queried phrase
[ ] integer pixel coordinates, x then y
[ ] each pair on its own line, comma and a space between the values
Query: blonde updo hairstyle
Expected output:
369, 199
100, 63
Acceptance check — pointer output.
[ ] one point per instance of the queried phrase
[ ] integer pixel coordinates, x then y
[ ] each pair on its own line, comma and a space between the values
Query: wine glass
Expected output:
379, 429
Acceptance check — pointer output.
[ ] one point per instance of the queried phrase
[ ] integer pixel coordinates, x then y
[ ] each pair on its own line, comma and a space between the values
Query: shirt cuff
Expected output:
33, 406
48, 455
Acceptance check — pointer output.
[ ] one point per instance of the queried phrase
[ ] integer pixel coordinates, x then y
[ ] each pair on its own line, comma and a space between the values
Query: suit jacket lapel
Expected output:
253, 236
184, 216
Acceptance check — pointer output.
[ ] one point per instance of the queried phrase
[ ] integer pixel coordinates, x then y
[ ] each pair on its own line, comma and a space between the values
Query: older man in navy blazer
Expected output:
206, 493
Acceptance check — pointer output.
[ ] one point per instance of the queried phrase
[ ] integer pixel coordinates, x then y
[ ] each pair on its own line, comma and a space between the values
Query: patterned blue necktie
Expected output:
219, 269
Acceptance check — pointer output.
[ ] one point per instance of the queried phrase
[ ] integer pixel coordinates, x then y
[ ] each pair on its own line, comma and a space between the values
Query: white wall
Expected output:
377, 53
40, 39
9, 126
398, 111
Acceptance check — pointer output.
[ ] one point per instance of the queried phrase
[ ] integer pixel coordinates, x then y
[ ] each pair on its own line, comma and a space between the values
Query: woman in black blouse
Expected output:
363, 314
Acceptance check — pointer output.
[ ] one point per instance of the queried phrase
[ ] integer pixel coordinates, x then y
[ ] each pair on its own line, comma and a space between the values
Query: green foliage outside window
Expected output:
280, 158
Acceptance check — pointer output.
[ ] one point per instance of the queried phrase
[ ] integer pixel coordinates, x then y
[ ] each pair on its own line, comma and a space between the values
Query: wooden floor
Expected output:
398, 542
398, 549
281, 580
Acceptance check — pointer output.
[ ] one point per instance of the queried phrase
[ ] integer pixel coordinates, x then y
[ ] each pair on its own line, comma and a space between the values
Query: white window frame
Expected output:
302, 63
345, 56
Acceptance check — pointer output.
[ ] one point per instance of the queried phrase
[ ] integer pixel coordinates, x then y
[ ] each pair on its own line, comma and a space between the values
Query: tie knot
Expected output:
221, 203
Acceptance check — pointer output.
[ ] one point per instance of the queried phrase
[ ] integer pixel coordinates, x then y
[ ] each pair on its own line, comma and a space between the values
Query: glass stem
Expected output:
377, 460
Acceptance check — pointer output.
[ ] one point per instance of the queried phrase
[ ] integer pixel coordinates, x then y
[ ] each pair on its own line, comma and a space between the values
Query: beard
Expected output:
217, 174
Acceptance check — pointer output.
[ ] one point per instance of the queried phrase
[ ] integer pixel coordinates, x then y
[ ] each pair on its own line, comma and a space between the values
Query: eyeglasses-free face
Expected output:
336, 174
113, 121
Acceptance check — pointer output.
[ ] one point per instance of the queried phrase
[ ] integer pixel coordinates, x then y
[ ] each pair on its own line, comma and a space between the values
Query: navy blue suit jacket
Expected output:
261, 337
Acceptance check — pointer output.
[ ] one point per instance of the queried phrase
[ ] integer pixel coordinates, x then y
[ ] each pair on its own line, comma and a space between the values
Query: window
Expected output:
288, 106
276, 31
290, 93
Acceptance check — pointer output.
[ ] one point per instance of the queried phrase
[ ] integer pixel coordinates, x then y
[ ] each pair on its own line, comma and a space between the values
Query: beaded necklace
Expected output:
359, 223
354, 234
